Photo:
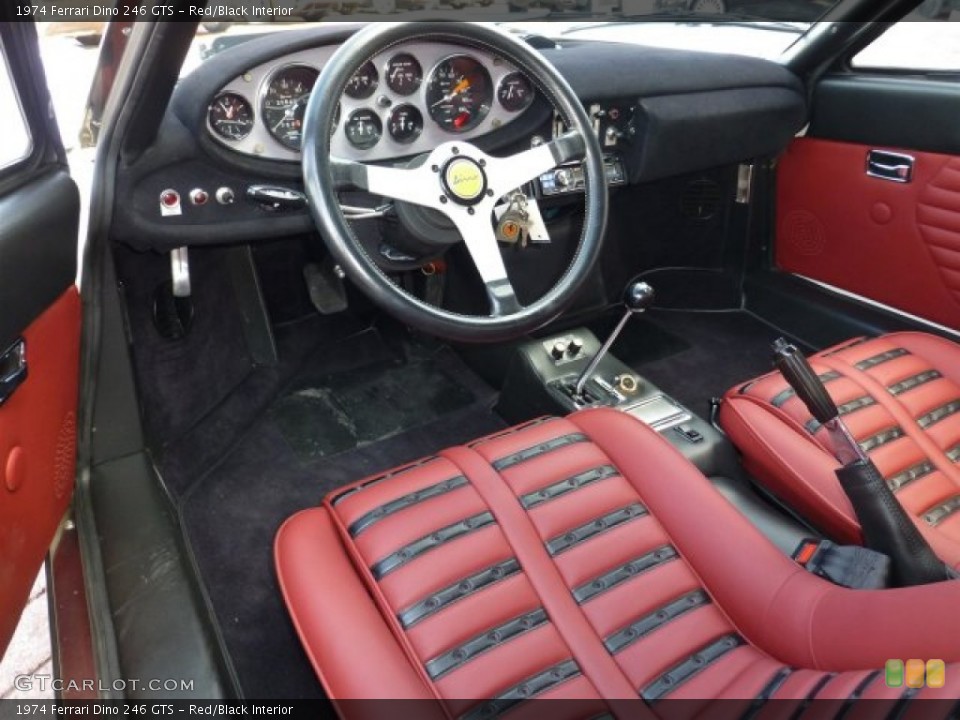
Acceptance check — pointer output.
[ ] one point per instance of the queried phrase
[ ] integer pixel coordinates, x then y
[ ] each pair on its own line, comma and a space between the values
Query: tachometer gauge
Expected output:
459, 94
515, 92
363, 83
285, 101
363, 128
405, 124
404, 74
230, 116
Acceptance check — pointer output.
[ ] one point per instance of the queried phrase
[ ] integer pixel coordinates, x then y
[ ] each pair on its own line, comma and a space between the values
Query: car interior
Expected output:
430, 360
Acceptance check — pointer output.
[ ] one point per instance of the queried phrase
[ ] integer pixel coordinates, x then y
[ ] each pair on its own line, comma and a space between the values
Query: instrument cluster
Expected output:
402, 102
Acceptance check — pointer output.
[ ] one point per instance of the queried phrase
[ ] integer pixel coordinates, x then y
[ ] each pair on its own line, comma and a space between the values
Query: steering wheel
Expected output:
458, 180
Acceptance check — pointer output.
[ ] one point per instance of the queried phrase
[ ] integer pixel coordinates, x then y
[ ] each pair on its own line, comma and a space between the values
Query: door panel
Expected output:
39, 331
896, 243
37, 452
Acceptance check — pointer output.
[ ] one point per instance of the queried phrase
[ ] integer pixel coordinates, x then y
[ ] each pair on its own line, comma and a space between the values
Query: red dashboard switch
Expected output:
170, 203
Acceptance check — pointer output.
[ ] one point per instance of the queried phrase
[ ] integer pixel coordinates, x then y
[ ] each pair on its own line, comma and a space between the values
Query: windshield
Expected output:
762, 28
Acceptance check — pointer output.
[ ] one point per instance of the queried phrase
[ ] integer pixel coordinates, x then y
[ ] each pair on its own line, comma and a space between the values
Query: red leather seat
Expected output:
582, 558
900, 396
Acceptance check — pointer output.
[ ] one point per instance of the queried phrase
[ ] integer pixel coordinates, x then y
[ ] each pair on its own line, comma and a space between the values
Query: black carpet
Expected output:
354, 409
694, 356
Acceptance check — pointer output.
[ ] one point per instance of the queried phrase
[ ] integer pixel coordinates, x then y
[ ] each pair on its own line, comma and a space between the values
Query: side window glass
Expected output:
920, 46
15, 140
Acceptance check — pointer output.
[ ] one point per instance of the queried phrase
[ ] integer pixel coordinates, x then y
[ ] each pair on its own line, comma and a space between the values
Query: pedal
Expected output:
180, 272
325, 286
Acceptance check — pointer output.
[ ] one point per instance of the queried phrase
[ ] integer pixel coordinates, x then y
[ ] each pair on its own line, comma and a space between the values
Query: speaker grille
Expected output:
64, 462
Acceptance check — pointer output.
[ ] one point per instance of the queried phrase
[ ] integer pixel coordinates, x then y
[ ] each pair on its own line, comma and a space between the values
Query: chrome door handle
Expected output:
895, 167
13, 369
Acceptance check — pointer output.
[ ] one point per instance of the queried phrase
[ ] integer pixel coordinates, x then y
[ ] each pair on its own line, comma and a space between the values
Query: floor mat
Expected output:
694, 356
332, 425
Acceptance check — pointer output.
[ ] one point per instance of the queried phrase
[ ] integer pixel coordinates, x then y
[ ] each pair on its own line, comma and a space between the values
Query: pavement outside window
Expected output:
29, 653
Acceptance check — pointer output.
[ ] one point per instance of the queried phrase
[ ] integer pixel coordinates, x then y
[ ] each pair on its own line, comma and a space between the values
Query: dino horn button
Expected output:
464, 181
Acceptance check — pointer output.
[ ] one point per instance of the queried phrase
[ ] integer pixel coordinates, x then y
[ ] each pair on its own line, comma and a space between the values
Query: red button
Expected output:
170, 198
199, 197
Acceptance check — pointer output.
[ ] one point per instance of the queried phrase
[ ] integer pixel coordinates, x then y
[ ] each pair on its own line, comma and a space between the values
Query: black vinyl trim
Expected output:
768, 691
692, 666
531, 687
856, 694
625, 637
914, 381
953, 453
881, 438
402, 503
937, 514
428, 542
532, 452
781, 398
846, 409
458, 591
941, 413
488, 640
577, 535
872, 362
611, 579
337, 499
847, 346
551, 492
812, 695
903, 702
905, 477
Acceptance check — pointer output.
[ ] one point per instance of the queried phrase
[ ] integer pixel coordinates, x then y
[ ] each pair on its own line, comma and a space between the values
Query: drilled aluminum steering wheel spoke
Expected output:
417, 186
481, 242
512, 172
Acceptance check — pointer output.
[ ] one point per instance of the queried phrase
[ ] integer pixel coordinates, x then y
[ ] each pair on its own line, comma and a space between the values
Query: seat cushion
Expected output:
900, 396
580, 558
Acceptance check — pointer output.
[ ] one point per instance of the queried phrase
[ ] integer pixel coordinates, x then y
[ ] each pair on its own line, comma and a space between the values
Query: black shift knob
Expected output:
638, 296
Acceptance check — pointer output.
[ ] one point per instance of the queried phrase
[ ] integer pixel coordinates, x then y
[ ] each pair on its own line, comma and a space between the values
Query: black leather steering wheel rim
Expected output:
323, 176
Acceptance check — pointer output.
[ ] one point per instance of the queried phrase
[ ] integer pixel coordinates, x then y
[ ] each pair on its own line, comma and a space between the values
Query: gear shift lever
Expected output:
636, 298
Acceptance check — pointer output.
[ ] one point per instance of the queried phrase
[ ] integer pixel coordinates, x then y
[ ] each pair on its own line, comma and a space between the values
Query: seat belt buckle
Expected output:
849, 566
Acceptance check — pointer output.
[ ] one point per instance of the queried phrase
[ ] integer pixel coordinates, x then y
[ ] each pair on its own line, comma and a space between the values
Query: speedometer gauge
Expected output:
459, 94
285, 102
230, 116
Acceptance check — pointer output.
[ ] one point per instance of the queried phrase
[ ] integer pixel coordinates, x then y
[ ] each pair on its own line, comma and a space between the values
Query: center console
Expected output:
542, 377
572, 371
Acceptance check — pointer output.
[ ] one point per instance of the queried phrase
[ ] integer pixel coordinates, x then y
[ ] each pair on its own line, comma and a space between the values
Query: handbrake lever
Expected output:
885, 525
811, 390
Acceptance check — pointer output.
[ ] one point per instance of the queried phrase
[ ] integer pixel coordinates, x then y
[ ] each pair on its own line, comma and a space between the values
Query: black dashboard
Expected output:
224, 167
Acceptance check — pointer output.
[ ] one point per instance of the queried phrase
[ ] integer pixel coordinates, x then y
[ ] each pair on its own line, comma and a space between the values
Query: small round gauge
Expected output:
285, 102
363, 82
459, 94
515, 92
363, 128
404, 74
230, 116
405, 124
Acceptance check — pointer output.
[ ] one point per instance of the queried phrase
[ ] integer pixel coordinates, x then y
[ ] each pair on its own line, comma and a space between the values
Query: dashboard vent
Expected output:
701, 200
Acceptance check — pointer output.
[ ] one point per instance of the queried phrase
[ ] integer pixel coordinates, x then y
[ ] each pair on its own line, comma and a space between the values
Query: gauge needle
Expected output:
464, 84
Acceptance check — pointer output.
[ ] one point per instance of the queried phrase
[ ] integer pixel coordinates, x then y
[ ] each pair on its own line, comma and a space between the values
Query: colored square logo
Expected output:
893, 673
936, 673
915, 671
